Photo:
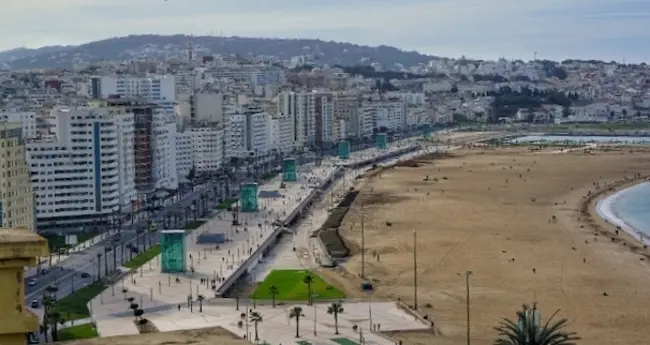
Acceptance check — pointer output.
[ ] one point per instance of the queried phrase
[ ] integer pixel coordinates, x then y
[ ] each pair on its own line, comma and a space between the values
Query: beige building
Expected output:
16, 199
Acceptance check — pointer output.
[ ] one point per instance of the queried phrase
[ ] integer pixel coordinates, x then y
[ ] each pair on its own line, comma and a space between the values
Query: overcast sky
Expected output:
556, 29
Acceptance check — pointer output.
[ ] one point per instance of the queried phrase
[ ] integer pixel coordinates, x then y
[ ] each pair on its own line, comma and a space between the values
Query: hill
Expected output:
157, 46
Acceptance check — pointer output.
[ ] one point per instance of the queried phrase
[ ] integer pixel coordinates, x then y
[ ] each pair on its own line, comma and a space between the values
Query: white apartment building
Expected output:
28, 121
16, 198
263, 77
184, 154
387, 114
155, 88
82, 170
163, 142
207, 146
248, 133
283, 134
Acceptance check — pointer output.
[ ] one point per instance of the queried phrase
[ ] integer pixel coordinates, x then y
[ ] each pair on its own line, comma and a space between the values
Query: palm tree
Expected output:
528, 330
308, 279
296, 313
255, 318
200, 298
99, 262
137, 313
273, 290
335, 309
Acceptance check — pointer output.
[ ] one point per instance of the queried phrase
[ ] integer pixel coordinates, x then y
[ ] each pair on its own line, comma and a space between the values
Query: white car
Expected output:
32, 282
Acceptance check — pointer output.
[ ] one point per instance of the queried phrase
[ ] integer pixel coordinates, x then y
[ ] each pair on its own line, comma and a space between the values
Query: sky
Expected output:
487, 29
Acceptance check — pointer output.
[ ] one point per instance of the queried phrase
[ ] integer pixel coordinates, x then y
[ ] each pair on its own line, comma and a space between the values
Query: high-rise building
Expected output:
207, 148
16, 200
82, 170
248, 133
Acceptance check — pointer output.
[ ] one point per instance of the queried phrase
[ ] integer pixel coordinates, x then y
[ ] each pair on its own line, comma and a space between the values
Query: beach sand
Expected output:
516, 220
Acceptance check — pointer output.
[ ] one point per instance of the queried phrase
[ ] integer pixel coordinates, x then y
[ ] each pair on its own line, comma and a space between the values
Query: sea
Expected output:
628, 208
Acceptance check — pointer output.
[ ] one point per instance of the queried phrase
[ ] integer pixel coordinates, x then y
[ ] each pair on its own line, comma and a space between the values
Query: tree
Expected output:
308, 280
99, 262
335, 309
255, 318
273, 290
191, 177
137, 313
200, 298
528, 330
296, 313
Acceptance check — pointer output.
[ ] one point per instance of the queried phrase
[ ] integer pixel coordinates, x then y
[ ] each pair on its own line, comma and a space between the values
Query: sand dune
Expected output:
511, 217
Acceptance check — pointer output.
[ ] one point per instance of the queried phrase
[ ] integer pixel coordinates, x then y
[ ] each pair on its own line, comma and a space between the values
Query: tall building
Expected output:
82, 170
207, 148
248, 133
16, 200
184, 154
154, 88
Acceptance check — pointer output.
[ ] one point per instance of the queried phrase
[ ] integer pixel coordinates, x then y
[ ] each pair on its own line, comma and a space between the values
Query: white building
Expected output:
155, 88
184, 154
28, 121
248, 133
207, 146
82, 170
389, 114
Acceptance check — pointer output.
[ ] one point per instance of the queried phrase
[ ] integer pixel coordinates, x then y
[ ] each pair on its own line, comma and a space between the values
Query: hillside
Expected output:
157, 46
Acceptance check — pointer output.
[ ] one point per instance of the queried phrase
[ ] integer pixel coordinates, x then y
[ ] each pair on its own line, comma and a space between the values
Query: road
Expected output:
67, 275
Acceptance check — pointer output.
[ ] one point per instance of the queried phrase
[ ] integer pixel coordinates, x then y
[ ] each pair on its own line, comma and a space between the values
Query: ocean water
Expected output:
585, 139
629, 209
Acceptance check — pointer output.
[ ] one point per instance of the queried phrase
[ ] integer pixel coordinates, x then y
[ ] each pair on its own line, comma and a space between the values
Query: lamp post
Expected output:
415, 271
467, 274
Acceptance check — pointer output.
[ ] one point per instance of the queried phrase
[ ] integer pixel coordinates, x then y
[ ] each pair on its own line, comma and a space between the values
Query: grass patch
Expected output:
291, 287
194, 225
85, 331
143, 257
270, 176
225, 204
75, 305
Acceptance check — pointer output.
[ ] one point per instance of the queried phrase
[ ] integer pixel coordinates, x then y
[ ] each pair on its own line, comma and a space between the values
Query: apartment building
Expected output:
82, 170
248, 133
387, 114
208, 148
184, 154
16, 199
154, 88
28, 121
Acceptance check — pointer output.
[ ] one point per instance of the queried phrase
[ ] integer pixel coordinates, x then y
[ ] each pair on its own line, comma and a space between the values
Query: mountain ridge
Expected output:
142, 46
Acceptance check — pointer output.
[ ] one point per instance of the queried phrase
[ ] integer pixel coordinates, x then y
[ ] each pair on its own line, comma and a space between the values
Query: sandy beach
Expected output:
524, 223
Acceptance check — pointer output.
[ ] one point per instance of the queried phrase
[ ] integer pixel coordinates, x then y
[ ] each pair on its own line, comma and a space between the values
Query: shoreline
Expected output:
605, 210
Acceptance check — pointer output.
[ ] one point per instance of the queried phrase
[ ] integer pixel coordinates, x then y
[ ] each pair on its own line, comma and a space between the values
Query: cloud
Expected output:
441, 27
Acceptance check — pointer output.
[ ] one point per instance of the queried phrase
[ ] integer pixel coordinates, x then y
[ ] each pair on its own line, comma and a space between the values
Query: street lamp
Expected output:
467, 274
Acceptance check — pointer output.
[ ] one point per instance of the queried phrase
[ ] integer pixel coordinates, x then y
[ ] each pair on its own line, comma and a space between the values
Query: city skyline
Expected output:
595, 29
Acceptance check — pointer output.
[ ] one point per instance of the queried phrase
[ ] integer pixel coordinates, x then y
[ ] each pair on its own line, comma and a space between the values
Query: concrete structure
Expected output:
248, 134
155, 88
381, 141
344, 149
172, 251
248, 198
83, 169
184, 154
16, 198
18, 248
289, 170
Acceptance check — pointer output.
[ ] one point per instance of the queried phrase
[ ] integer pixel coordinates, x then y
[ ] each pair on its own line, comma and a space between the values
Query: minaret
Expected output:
190, 52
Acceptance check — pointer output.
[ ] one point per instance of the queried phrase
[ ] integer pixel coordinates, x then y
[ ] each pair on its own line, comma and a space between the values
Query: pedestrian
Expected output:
179, 307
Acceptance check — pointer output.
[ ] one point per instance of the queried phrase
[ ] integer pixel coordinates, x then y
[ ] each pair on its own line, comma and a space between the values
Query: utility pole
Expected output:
467, 274
415, 271
363, 246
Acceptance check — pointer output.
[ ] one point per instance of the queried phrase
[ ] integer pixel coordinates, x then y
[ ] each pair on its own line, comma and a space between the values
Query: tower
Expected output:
190, 52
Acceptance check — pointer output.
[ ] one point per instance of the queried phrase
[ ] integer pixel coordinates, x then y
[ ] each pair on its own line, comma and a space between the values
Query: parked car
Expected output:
85, 275
35, 303
32, 282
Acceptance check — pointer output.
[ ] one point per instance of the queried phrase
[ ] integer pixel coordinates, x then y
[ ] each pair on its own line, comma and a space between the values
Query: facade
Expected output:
16, 199
248, 133
184, 155
155, 88
207, 148
28, 121
83, 170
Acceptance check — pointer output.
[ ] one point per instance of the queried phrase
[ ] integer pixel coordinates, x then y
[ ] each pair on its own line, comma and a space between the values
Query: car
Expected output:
32, 282
85, 275
35, 303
